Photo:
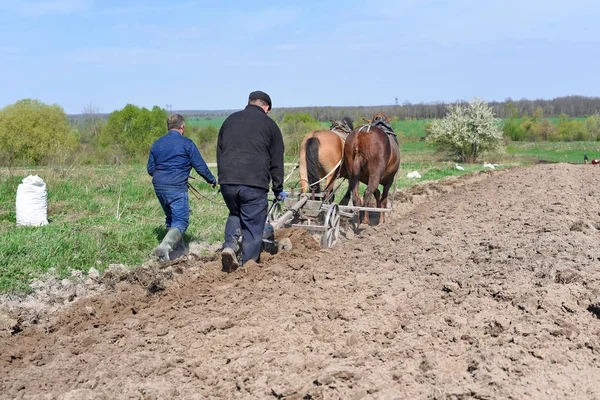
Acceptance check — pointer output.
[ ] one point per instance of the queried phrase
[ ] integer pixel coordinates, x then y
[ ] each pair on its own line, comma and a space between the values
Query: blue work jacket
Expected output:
171, 159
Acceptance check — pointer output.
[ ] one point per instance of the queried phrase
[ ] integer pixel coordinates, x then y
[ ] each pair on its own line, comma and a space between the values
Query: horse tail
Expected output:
358, 156
312, 163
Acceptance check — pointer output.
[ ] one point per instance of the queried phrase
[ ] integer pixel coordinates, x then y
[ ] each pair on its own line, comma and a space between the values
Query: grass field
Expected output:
555, 151
98, 216
110, 215
206, 121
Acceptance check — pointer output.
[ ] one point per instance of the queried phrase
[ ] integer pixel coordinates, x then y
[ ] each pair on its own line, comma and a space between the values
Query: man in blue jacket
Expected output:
171, 159
249, 157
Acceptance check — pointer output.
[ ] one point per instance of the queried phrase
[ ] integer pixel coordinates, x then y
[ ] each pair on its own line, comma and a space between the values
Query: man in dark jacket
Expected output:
249, 157
171, 159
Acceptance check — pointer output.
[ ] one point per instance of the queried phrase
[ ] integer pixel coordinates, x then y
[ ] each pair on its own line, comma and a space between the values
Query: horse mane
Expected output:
380, 116
348, 122
344, 125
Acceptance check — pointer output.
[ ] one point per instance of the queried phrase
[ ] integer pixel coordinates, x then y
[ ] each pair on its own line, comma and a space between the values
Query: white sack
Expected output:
414, 174
32, 202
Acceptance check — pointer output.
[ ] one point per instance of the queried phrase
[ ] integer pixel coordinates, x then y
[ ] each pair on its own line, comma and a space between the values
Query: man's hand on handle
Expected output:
280, 196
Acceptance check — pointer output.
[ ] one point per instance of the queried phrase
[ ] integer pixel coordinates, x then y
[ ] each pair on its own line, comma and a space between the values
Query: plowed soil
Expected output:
482, 287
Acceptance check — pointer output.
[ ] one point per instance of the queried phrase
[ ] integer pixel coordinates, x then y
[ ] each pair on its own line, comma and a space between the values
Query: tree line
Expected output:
34, 133
573, 106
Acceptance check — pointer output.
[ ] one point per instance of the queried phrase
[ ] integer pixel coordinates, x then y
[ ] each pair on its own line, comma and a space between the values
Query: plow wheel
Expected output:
332, 226
275, 212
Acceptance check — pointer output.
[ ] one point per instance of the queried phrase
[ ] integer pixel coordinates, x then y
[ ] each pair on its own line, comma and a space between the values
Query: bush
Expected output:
572, 130
293, 128
131, 132
206, 140
592, 126
34, 132
467, 131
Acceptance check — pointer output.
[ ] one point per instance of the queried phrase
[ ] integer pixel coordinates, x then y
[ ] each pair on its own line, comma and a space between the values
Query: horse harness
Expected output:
341, 129
383, 125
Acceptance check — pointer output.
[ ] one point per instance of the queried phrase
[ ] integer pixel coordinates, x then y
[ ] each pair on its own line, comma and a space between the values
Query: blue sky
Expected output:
211, 54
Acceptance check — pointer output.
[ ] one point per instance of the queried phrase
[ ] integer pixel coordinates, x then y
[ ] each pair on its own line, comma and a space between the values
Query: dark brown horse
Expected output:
321, 156
372, 156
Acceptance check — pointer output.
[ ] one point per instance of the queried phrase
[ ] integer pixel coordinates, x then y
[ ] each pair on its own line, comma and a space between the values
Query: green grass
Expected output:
110, 215
411, 128
206, 121
571, 152
98, 216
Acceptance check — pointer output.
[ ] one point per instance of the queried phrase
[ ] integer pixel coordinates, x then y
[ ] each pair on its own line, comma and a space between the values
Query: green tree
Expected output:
571, 130
34, 132
91, 123
513, 128
293, 128
545, 129
132, 130
467, 131
207, 142
592, 126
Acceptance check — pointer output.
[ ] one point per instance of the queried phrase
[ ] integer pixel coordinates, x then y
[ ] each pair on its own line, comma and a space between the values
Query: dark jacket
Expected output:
250, 150
171, 159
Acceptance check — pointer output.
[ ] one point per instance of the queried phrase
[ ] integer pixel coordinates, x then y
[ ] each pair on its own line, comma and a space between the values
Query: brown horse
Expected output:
321, 156
372, 156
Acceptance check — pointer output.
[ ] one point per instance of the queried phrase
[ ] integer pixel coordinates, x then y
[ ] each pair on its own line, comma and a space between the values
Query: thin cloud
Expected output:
119, 57
469, 21
286, 47
265, 20
113, 56
145, 8
40, 8
7, 50
163, 34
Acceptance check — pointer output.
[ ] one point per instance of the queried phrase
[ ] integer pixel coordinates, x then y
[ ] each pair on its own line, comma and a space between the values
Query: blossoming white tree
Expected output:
467, 131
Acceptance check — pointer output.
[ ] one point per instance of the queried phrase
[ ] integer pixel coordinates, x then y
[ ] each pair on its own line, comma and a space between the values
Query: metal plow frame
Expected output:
315, 215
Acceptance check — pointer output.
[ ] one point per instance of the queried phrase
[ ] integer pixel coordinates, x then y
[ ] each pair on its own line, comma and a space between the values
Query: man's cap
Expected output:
259, 95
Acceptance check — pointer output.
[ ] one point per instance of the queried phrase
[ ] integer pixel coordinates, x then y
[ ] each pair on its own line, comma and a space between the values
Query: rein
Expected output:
199, 195
326, 176
291, 172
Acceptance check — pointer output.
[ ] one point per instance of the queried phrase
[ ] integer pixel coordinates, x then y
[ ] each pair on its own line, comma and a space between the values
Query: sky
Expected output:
209, 55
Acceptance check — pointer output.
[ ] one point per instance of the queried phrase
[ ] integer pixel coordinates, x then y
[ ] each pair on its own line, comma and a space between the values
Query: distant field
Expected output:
203, 122
411, 128
571, 152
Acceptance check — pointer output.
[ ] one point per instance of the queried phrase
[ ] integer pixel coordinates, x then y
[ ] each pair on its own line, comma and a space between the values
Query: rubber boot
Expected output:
167, 244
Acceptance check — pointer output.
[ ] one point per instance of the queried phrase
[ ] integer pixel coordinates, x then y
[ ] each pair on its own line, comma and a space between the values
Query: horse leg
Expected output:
302, 168
371, 188
384, 197
346, 198
353, 187
377, 195
329, 183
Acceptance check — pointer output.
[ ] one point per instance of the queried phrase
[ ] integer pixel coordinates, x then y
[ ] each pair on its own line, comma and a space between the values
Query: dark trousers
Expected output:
247, 216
